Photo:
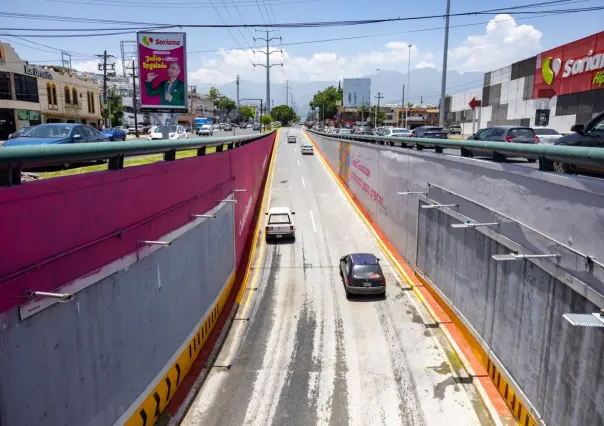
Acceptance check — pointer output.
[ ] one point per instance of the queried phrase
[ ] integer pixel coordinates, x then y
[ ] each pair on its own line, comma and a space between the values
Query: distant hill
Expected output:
425, 85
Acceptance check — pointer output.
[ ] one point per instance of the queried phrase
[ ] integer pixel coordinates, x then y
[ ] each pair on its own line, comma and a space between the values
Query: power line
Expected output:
193, 5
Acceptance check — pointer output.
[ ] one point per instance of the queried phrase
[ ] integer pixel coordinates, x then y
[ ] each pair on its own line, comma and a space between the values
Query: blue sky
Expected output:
474, 48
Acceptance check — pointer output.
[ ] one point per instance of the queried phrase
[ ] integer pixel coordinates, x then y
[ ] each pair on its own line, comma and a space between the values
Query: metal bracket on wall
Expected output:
154, 243
207, 216
470, 224
413, 192
514, 256
436, 206
595, 319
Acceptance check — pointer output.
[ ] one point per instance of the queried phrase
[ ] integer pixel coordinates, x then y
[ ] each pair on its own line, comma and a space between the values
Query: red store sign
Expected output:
574, 67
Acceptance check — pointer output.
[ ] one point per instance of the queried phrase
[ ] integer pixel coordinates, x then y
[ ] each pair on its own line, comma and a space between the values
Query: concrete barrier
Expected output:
142, 311
547, 371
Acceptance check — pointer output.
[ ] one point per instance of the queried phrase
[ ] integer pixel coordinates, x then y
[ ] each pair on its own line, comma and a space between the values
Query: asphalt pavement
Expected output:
300, 353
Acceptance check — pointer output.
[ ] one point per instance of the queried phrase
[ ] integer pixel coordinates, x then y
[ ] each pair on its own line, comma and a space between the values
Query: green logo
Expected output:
146, 41
550, 69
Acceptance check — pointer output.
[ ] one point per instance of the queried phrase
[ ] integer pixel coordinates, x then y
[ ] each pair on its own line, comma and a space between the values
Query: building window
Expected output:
49, 93
92, 101
74, 97
26, 88
5, 91
67, 96
54, 94
90, 96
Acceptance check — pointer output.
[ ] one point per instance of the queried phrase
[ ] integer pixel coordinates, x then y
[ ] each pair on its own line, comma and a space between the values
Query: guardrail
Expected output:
547, 155
14, 159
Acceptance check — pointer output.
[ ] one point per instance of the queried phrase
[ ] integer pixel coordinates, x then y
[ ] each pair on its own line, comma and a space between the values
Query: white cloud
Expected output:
321, 66
503, 43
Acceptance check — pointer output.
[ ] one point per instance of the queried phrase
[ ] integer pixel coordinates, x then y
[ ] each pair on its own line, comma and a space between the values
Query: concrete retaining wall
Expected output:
515, 308
67, 365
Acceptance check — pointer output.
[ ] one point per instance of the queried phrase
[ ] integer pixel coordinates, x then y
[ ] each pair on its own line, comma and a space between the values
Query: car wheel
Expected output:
531, 160
348, 294
560, 167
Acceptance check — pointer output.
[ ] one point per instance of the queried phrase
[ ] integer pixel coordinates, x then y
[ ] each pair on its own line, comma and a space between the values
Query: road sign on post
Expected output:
474, 104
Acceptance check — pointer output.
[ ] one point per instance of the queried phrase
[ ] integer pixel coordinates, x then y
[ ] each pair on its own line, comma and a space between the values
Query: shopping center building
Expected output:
31, 95
557, 88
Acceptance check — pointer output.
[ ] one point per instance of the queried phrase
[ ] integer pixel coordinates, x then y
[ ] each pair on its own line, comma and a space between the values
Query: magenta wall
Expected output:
57, 230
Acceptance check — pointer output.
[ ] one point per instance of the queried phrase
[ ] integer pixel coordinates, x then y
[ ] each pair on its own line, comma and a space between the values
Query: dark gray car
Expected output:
509, 134
432, 132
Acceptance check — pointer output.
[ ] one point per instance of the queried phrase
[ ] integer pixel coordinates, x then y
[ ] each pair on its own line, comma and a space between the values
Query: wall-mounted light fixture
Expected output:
595, 319
470, 224
514, 256
154, 243
63, 297
207, 216
437, 206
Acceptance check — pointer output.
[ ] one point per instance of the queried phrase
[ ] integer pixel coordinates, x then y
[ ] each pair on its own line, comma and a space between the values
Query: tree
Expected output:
214, 95
116, 108
326, 102
247, 113
381, 117
283, 113
364, 112
266, 120
226, 104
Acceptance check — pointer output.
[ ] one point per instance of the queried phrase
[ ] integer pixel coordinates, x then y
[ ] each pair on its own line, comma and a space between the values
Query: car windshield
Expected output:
366, 269
43, 131
546, 132
276, 219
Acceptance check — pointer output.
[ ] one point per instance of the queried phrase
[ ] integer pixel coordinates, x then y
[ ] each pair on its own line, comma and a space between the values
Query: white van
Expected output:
280, 224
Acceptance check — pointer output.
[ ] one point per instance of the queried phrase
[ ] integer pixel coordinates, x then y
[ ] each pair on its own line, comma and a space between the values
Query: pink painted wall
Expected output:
56, 230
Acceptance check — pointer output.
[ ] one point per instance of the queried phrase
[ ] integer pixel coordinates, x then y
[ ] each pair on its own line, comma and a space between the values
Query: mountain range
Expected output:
425, 87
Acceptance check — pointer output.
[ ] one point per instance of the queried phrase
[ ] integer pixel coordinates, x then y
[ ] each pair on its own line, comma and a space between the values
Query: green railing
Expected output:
14, 159
546, 154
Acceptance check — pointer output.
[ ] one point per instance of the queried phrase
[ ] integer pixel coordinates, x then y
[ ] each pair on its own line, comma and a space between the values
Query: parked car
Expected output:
20, 132
175, 132
256, 127
455, 129
431, 132
58, 133
362, 274
510, 134
546, 136
280, 224
206, 130
115, 134
587, 135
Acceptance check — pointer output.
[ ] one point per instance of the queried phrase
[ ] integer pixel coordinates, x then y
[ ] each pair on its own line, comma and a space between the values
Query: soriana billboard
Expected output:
574, 67
162, 68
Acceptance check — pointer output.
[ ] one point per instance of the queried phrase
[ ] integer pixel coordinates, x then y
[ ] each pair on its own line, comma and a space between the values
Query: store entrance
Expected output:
7, 123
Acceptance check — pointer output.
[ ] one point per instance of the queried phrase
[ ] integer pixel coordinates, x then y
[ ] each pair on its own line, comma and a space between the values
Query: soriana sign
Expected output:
162, 65
574, 67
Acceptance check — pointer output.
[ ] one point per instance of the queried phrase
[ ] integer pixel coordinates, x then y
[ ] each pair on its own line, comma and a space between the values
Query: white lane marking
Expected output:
298, 162
303, 184
294, 149
312, 218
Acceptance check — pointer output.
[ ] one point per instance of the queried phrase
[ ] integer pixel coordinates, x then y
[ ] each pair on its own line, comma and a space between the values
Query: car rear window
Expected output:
546, 132
434, 129
522, 133
277, 219
366, 269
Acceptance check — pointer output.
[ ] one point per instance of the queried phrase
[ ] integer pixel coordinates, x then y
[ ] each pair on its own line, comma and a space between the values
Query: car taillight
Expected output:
349, 281
536, 139
383, 281
508, 138
291, 228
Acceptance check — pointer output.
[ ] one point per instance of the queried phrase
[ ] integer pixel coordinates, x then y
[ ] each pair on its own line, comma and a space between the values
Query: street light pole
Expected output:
408, 86
443, 86
375, 111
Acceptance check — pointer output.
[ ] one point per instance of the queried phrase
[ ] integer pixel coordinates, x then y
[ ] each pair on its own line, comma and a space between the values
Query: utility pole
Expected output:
377, 111
105, 67
408, 84
134, 101
403, 107
268, 65
287, 89
443, 86
237, 91
421, 100
66, 60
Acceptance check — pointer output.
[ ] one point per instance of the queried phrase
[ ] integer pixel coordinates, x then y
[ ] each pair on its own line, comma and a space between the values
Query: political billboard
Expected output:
162, 64
357, 92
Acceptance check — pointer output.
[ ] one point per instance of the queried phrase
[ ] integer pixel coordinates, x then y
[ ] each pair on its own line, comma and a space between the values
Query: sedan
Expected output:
589, 135
175, 132
115, 134
362, 274
58, 133
432, 132
20, 132
546, 136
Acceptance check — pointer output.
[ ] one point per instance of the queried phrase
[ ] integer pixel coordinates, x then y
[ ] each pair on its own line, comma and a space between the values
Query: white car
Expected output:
345, 131
394, 131
307, 149
175, 132
249, 126
280, 224
292, 139
206, 130
546, 135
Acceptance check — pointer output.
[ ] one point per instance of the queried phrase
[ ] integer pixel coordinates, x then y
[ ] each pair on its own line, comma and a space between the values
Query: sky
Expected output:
216, 56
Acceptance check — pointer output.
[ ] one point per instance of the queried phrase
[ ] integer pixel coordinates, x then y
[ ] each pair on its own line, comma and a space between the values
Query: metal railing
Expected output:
15, 159
546, 154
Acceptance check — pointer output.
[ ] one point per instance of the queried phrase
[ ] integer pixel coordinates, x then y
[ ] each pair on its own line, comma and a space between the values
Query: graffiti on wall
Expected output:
344, 161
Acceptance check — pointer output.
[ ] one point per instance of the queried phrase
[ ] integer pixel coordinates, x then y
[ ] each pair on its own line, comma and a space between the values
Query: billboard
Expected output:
357, 92
162, 64
574, 67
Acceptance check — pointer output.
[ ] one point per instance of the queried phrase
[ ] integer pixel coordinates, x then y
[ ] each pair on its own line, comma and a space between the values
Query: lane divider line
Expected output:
303, 184
491, 398
312, 219
298, 162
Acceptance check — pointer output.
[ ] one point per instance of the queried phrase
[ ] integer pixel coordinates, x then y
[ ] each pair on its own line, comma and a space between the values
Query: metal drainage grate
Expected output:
585, 320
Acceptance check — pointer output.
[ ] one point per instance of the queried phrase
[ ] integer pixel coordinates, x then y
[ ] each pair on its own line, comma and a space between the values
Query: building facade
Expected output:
19, 95
557, 88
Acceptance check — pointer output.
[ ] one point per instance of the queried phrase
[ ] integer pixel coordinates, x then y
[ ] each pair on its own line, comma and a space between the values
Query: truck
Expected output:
200, 121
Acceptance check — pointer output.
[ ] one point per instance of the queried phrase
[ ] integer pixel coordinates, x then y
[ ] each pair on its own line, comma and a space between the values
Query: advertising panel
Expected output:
357, 92
162, 64
574, 67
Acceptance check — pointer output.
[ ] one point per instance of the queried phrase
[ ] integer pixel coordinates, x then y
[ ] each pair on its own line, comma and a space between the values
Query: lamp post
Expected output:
408, 85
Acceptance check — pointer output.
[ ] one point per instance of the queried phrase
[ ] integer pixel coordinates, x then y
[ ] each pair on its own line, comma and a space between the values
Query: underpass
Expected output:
300, 353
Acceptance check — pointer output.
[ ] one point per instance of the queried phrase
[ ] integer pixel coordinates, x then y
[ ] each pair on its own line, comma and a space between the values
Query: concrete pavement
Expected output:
307, 355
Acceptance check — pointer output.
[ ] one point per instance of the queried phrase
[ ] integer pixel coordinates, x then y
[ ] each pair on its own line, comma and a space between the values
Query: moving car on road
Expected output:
227, 127
455, 129
395, 131
176, 132
115, 134
256, 127
363, 130
20, 132
362, 274
345, 131
546, 136
206, 130
307, 148
510, 134
588, 135
58, 133
432, 132
292, 139
280, 224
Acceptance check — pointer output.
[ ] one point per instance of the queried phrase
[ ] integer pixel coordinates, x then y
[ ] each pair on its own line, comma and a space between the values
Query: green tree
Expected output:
283, 113
247, 113
226, 104
116, 108
381, 117
214, 95
326, 102
364, 112
266, 120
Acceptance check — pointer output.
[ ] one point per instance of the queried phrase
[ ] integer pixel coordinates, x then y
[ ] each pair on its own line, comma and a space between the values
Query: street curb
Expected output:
177, 419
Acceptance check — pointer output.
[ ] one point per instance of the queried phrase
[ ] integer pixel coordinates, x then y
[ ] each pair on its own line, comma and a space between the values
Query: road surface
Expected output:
309, 356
